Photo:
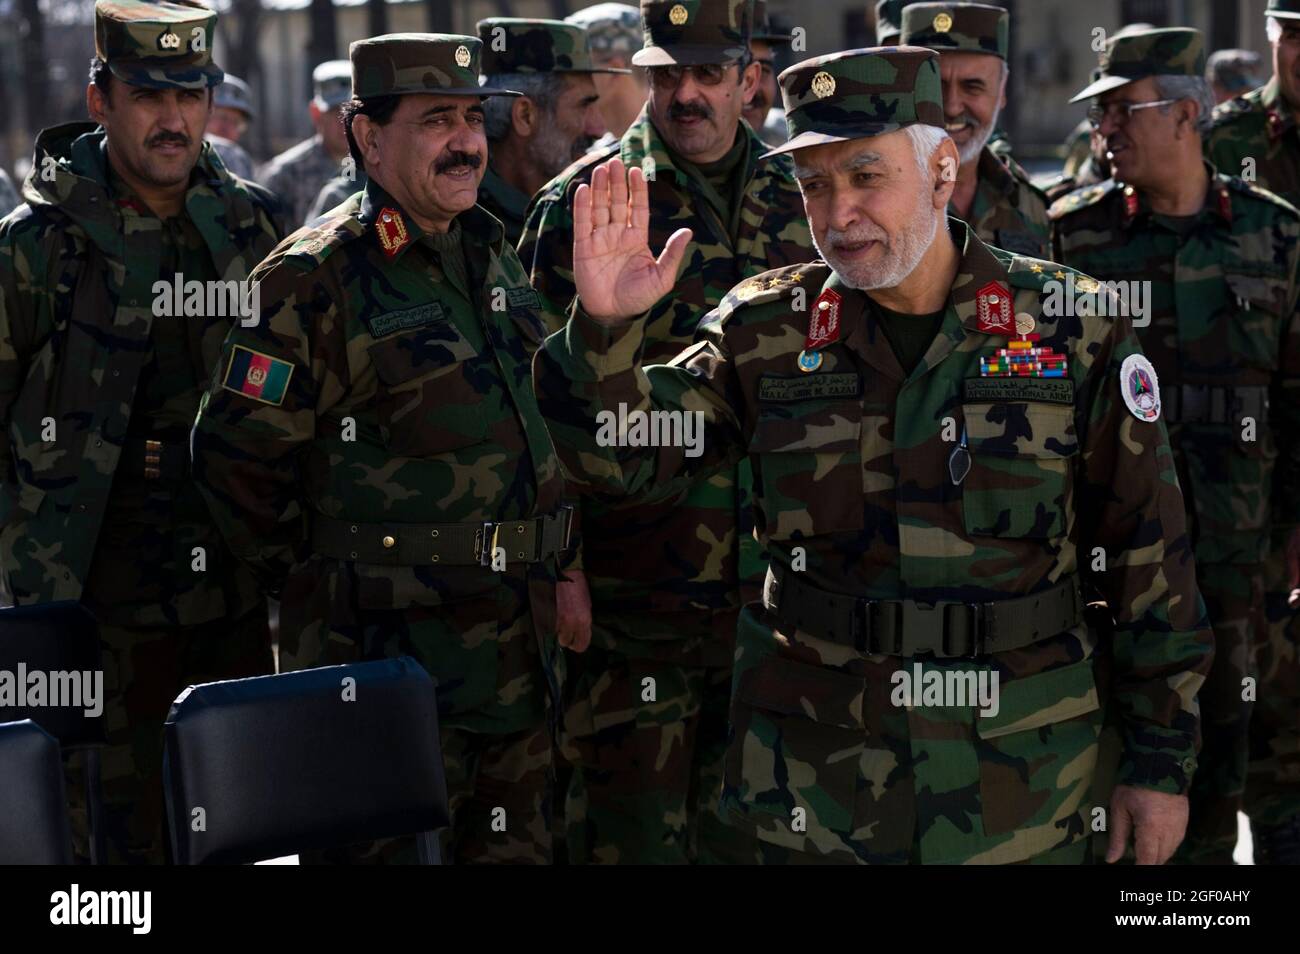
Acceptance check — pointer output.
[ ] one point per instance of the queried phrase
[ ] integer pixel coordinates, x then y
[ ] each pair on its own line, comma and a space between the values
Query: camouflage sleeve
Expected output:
590, 382
249, 438
1133, 546
26, 320
546, 251
1285, 405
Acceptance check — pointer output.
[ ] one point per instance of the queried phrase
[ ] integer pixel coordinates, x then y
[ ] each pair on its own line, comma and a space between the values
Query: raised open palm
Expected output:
616, 274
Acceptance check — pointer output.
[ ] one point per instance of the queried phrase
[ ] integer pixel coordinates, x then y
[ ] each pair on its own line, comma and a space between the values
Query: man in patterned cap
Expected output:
534, 137
232, 111
929, 516
645, 724
373, 449
760, 113
994, 195
1233, 73
297, 174
1210, 265
101, 369
614, 31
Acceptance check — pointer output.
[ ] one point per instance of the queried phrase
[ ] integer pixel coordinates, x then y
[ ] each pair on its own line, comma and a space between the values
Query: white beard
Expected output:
902, 254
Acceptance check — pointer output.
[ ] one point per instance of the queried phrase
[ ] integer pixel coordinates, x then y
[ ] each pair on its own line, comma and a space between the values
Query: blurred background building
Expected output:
45, 47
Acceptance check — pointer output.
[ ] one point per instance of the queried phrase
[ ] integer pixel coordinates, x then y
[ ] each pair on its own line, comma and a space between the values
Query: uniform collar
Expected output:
642, 140
511, 201
1218, 199
991, 171
1279, 116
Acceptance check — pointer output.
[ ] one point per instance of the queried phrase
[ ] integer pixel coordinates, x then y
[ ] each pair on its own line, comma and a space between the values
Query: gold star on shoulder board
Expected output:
1036, 268
1058, 275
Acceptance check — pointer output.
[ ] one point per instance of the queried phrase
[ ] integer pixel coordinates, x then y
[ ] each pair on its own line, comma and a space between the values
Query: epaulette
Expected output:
1249, 188
1080, 199
1230, 109
309, 251
772, 286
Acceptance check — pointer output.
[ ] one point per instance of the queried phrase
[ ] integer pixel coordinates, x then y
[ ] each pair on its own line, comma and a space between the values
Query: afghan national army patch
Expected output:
1044, 390
391, 229
1140, 387
258, 376
525, 297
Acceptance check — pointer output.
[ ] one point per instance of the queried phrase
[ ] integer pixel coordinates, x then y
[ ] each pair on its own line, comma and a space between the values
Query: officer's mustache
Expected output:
858, 236
965, 119
456, 160
689, 111
168, 139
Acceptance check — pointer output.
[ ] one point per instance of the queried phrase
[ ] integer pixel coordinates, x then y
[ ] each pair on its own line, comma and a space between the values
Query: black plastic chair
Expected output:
34, 827
53, 638
275, 765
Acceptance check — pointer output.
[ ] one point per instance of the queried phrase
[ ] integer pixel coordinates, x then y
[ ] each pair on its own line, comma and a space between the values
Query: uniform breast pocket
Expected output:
1020, 480
430, 400
1254, 333
808, 463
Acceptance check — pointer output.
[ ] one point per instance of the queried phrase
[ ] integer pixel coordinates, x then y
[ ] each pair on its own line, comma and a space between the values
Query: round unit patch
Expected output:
1140, 387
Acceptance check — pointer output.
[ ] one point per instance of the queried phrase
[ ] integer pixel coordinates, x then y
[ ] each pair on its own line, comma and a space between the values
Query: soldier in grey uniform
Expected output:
297, 174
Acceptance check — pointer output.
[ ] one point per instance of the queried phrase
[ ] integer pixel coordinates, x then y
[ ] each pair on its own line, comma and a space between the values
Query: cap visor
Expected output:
1282, 14
1103, 85
595, 69
814, 138
686, 55
156, 75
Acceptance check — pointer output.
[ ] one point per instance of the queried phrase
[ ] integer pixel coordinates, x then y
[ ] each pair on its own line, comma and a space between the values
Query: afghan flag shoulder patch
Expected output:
257, 376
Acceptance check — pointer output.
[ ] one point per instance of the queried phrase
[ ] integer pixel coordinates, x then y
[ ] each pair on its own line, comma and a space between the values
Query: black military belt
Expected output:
908, 628
1205, 404
155, 460
447, 544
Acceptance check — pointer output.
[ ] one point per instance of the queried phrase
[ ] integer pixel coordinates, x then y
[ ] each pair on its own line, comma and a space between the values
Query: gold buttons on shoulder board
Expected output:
389, 543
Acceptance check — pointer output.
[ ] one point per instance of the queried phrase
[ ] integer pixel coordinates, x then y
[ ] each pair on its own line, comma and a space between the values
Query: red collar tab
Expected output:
993, 308
391, 229
824, 325
1225, 202
1276, 124
1130, 203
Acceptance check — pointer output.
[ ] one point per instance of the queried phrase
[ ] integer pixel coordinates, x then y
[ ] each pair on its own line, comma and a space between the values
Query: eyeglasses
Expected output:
1120, 112
670, 77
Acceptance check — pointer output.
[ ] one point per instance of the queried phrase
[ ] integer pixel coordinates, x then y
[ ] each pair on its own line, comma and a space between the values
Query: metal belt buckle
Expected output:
483, 549
152, 459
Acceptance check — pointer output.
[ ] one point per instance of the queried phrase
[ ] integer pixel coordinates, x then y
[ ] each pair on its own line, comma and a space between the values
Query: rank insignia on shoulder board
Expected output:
993, 309
257, 376
1140, 387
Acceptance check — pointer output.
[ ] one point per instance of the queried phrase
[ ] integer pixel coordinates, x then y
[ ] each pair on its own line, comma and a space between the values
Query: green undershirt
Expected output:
909, 335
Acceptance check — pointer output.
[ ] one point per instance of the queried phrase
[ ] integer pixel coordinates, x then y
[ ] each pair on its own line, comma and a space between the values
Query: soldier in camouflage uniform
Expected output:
100, 380
919, 515
9, 199
1262, 127
232, 110
533, 138
993, 193
762, 112
297, 175
374, 452
1219, 257
646, 714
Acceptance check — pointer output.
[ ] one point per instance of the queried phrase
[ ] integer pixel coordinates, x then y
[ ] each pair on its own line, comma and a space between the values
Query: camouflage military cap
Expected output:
233, 93
164, 45
859, 94
331, 82
1283, 9
889, 21
957, 27
1134, 56
516, 45
611, 27
763, 29
694, 32
397, 64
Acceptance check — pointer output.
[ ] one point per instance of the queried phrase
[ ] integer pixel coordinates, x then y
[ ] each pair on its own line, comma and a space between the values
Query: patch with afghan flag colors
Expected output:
391, 229
257, 376
993, 309
1140, 387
